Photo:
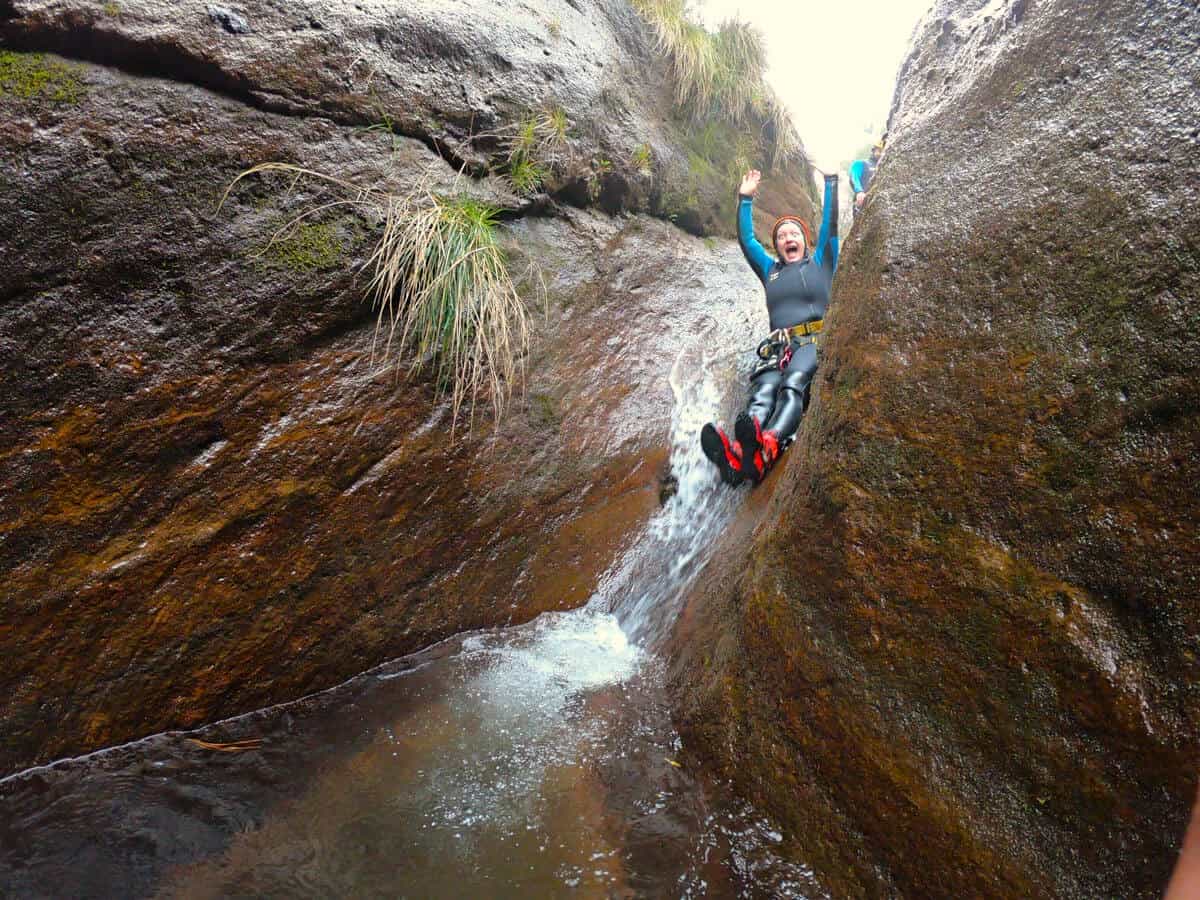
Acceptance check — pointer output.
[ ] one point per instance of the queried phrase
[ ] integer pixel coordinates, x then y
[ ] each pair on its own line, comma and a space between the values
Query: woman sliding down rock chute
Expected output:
797, 286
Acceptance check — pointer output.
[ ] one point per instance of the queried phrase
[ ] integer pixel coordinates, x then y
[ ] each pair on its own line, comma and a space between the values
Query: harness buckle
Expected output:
776, 349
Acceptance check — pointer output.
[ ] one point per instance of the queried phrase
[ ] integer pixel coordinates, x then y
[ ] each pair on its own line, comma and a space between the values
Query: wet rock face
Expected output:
456, 79
212, 499
962, 658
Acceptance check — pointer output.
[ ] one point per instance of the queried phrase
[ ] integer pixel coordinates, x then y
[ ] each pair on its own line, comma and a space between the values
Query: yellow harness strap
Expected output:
806, 328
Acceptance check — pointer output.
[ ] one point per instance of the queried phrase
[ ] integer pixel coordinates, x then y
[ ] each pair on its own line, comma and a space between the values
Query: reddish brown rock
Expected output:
212, 500
959, 657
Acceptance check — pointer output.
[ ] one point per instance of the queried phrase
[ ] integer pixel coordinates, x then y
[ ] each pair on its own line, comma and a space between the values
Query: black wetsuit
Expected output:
796, 292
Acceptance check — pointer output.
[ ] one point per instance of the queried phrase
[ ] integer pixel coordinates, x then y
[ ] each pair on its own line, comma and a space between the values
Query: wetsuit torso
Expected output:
796, 292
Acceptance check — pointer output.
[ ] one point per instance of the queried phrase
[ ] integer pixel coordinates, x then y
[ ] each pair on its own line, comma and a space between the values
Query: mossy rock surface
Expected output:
462, 85
38, 77
307, 247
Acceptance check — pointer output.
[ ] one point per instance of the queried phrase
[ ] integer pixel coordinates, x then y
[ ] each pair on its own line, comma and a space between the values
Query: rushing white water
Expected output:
644, 587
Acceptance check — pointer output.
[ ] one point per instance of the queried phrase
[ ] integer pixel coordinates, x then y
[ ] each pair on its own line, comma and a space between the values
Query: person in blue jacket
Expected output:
797, 281
861, 173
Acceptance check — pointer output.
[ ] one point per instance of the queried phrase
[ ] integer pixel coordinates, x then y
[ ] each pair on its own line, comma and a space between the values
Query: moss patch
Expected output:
545, 410
30, 76
310, 248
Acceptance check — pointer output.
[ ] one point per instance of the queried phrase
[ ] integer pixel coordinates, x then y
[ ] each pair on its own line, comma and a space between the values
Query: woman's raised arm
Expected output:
756, 255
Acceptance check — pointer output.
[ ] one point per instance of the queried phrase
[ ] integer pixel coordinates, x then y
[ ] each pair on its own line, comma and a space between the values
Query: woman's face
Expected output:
789, 242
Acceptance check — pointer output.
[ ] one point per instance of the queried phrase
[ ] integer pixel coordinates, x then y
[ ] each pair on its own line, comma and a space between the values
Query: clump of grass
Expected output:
525, 175
440, 281
642, 161
740, 65
535, 146
555, 125
721, 76
694, 63
710, 71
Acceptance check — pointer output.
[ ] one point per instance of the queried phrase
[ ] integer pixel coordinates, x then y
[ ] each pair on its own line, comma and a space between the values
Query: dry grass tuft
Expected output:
440, 281
721, 76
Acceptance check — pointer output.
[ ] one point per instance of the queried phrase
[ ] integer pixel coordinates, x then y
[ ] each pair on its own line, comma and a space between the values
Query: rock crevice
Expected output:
86, 40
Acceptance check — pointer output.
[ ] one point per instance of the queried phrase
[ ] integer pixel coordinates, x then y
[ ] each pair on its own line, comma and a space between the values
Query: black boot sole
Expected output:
747, 436
714, 449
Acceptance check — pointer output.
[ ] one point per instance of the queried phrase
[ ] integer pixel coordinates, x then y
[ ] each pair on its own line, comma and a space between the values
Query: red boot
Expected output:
723, 453
760, 448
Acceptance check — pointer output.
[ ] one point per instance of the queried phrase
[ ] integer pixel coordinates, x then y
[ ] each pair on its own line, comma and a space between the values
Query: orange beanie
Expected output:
808, 241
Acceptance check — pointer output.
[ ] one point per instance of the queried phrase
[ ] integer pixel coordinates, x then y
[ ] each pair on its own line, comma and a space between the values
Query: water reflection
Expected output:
487, 785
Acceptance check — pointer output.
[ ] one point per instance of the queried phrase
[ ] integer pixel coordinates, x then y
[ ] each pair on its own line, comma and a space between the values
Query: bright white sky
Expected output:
833, 62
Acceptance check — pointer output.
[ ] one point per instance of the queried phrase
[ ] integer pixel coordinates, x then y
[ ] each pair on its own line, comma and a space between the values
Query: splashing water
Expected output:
537, 760
645, 586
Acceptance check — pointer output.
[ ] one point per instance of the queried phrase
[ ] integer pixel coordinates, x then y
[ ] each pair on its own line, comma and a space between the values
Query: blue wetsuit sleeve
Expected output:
760, 261
827, 240
856, 173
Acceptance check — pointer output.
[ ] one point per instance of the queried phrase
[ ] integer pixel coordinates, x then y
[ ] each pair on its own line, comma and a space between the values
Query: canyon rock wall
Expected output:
959, 654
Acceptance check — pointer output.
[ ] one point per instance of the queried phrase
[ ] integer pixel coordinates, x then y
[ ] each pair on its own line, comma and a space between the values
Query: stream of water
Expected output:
536, 761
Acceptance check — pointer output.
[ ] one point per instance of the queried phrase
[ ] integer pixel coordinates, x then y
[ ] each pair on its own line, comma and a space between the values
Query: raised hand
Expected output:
750, 180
